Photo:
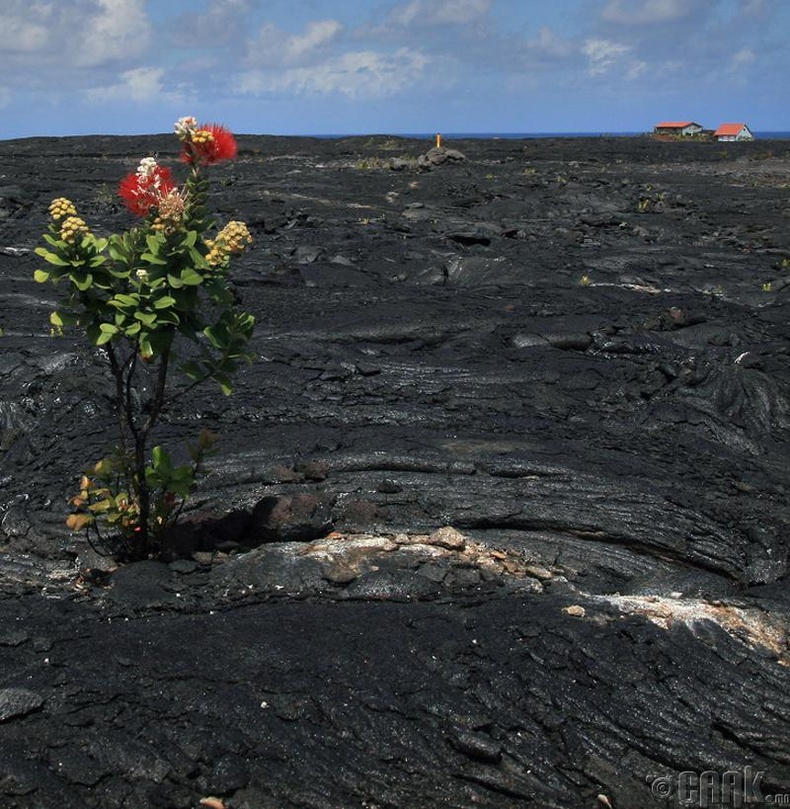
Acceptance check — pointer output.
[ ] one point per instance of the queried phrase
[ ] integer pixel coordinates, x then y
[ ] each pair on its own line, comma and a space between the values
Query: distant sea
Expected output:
525, 135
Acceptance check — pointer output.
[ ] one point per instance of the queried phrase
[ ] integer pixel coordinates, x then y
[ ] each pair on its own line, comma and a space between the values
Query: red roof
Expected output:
729, 129
675, 124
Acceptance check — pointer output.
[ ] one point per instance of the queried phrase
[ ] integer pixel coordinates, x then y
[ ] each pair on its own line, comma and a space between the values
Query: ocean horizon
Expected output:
765, 135
428, 136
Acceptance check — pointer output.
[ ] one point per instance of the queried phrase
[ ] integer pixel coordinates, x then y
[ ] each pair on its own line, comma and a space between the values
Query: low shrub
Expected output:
155, 299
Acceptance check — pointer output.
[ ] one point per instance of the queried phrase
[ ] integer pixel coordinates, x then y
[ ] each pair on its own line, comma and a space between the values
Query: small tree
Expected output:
154, 298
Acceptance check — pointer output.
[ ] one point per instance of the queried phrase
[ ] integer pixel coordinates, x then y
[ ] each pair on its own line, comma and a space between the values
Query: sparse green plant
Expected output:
105, 197
368, 163
154, 298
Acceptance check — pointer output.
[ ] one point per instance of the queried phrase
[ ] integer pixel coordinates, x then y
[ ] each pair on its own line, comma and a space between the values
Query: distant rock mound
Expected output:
438, 156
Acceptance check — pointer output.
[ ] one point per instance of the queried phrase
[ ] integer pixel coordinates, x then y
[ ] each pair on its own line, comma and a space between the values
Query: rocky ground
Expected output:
500, 512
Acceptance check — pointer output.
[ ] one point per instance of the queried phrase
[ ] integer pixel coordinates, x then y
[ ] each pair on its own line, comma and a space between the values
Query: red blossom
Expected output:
209, 143
141, 193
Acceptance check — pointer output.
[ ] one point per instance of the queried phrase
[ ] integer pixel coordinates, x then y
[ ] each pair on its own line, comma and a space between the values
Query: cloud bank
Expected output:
465, 61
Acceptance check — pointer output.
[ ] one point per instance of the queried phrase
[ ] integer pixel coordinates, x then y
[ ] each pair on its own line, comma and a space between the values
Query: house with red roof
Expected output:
733, 132
683, 128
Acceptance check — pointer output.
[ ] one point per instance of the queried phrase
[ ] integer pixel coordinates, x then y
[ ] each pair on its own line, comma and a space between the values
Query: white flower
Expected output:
147, 169
142, 275
185, 126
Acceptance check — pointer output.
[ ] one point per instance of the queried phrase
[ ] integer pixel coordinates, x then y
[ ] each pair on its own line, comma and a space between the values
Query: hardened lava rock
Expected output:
498, 515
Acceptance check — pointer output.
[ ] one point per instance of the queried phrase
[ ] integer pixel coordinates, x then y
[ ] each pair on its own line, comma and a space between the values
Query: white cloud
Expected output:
635, 69
548, 46
355, 75
743, 57
603, 54
759, 9
317, 35
739, 66
81, 33
23, 27
649, 12
273, 46
141, 84
438, 12
224, 24
118, 31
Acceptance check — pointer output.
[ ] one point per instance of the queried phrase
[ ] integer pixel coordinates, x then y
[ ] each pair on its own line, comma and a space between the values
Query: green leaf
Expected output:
124, 300
164, 302
174, 281
82, 284
100, 507
168, 318
182, 489
118, 251
119, 273
61, 319
190, 238
104, 337
192, 370
161, 340
224, 382
190, 277
197, 258
213, 337
41, 276
180, 481
148, 318
52, 258
109, 328
161, 464
152, 258
154, 242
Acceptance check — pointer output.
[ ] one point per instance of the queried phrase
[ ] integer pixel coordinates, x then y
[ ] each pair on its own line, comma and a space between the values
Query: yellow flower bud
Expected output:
61, 207
73, 229
233, 238
202, 136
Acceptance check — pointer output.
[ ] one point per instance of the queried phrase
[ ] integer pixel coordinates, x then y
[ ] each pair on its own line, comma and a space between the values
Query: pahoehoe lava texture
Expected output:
500, 512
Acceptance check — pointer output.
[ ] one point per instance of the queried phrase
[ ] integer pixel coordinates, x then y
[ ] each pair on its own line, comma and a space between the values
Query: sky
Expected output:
303, 67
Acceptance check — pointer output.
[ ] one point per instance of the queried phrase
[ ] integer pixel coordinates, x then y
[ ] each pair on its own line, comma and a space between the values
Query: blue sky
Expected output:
73, 67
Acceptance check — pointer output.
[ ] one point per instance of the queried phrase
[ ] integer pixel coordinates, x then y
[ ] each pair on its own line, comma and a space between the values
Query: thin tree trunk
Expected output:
146, 540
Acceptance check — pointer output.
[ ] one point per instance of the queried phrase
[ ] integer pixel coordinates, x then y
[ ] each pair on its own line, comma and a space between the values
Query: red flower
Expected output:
145, 188
209, 143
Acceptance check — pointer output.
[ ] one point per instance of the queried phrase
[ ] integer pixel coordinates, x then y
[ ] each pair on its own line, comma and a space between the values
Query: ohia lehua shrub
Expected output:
154, 299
